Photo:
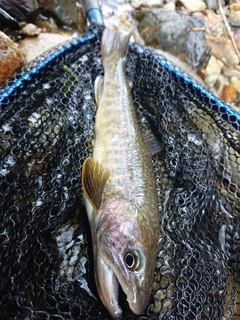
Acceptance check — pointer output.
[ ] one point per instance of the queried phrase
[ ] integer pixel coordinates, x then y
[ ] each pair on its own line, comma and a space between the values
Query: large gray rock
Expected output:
181, 35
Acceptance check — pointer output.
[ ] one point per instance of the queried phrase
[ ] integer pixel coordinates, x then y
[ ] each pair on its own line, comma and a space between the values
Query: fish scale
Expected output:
117, 141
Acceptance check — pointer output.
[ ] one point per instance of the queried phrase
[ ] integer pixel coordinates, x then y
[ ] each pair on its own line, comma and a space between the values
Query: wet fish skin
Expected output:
124, 219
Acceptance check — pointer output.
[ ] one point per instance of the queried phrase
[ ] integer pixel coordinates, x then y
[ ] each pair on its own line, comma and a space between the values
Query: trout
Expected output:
119, 188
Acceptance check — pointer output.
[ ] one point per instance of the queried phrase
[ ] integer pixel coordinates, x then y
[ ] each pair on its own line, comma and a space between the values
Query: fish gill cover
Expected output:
47, 131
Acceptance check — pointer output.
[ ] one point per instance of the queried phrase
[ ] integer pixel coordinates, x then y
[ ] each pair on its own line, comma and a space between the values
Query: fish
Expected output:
119, 189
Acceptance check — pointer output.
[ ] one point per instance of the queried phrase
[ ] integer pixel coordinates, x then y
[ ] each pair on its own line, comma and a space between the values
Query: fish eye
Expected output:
129, 260
132, 260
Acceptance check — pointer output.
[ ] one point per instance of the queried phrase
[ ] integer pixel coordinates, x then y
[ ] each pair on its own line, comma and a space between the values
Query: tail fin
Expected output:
114, 42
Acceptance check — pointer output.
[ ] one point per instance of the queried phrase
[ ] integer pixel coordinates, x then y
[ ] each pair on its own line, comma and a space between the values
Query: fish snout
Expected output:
138, 301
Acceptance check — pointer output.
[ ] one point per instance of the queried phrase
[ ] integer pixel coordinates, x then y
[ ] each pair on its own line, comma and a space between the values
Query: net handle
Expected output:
92, 12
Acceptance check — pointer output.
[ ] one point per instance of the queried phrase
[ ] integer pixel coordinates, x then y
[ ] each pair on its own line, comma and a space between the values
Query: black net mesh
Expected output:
47, 130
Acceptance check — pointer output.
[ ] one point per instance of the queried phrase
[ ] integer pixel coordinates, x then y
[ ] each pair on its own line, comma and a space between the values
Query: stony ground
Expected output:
205, 35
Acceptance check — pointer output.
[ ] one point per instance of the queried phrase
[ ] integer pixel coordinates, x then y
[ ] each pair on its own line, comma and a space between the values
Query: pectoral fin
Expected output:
94, 179
98, 87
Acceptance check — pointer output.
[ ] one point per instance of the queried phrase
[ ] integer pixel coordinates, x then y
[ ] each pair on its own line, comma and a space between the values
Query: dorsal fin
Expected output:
94, 179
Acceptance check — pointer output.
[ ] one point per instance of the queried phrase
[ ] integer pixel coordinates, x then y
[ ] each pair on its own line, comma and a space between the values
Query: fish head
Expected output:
124, 255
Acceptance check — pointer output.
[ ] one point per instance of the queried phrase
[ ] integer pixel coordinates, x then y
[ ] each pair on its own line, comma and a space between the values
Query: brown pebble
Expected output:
168, 304
237, 309
161, 294
237, 297
228, 93
157, 306
235, 7
227, 312
164, 282
10, 58
228, 300
31, 30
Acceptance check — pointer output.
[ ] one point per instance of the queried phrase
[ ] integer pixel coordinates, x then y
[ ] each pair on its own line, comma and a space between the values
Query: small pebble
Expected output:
157, 306
213, 4
216, 82
211, 80
69, 271
73, 260
161, 294
151, 3
234, 13
47, 25
11, 58
170, 6
227, 72
31, 30
63, 264
214, 66
192, 6
235, 81
228, 93
164, 282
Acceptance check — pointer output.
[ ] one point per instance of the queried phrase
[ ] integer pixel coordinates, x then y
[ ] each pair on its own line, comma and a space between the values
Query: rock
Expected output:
48, 25
31, 30
182, 65
11, 58
236, 83
17, 9
237, 38
228, 93
231, 72
33, 4
210, 80
214, 66
213, 4
223, 50
152, 18
33, 47
234, 13
192, 6
66, 11
173, 34
170, 6
149, 3
215, 83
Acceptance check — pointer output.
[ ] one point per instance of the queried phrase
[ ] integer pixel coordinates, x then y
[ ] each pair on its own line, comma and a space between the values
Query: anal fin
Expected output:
154, 145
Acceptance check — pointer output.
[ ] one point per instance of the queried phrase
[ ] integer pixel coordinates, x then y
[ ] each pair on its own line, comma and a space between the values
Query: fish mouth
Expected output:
108, 285
108, 289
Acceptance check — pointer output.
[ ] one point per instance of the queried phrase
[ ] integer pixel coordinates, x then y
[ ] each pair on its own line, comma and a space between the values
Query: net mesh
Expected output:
47, 131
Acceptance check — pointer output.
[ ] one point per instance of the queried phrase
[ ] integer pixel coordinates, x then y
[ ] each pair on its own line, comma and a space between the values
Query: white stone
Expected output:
34, 46
214, 66
215, 83
194, 5
235, 81
170, 6
231, 72
31, 30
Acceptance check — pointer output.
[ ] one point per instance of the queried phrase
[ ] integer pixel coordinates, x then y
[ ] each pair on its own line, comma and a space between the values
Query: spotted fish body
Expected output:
120, 189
